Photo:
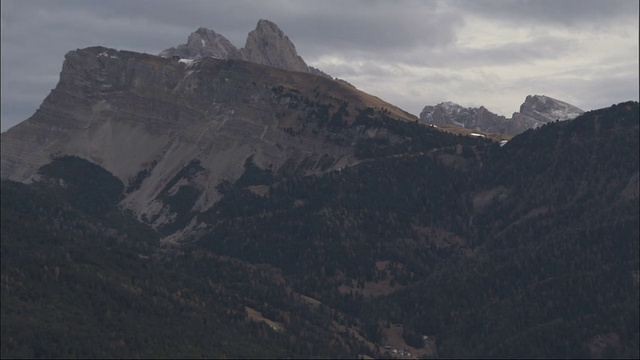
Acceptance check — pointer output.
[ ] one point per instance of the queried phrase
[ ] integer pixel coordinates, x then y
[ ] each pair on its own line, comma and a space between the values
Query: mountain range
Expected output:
223, 202
536, 111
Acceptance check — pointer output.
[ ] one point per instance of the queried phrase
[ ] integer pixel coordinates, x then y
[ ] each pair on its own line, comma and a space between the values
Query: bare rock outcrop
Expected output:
268, 45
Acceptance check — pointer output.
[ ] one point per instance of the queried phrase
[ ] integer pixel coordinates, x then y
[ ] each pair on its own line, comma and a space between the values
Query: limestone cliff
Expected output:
162, 126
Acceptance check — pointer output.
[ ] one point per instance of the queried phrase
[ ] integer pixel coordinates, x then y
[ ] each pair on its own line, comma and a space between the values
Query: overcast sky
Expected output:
409, 53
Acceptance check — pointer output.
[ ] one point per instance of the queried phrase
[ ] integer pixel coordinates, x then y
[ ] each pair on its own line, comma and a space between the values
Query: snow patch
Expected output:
564, 114
105, 54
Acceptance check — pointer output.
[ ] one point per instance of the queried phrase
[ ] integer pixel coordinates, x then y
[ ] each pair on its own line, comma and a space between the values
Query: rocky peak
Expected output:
204, 42
544, 109
268, 45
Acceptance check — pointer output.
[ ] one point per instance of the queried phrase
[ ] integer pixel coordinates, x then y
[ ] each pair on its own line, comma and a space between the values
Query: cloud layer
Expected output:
411, 53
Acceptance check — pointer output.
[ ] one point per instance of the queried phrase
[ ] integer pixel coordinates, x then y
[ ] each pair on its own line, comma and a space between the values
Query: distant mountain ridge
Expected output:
266, 45
536, 110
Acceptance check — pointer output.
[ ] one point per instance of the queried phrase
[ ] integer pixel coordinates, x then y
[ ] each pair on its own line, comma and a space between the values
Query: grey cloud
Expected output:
558, 12
530, 51
587, 89
379, 42
540, 48
377, 29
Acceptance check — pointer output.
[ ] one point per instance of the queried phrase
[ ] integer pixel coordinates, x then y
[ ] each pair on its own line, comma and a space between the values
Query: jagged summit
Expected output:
266, 45
204, 42
536, 110
544, 109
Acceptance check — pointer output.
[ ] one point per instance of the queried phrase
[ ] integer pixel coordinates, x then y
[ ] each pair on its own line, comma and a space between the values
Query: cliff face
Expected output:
160, 125
536, 110
268, 45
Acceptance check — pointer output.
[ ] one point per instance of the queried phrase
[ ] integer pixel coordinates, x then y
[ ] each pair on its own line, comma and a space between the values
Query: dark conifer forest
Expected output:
438, 245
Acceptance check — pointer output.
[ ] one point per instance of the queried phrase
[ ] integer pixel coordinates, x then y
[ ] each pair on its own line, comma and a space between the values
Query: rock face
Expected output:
204, 42
470, 118
543, 109
175, 130
537, 110
266, 45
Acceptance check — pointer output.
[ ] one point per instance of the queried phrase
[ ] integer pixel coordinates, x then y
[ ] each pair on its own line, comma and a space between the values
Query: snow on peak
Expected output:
545, 109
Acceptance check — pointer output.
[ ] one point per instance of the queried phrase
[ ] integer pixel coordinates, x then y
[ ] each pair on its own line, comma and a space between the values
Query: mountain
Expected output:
539, 109
460, 249
169, 129
534, 112
266, 44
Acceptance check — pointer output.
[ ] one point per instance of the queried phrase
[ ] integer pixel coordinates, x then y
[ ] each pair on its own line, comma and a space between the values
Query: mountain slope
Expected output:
161, 125
532, 254
525, 250
554, 268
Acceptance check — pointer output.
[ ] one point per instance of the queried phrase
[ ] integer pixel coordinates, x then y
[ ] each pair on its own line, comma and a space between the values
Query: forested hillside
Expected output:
443, 245
82, 280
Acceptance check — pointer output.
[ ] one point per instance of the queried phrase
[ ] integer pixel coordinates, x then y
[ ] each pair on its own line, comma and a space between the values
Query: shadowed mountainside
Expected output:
526, 250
